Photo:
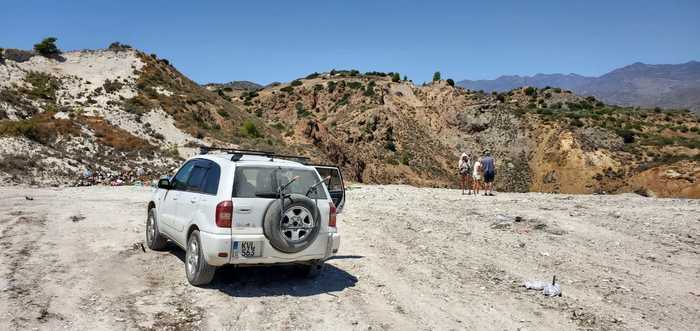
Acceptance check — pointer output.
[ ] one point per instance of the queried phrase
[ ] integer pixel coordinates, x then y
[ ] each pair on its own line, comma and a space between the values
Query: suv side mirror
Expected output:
164, 183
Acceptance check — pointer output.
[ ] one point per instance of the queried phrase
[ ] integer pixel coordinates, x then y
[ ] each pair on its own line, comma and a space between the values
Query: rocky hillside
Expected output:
544, 139
119, 108
109, 112
647, 85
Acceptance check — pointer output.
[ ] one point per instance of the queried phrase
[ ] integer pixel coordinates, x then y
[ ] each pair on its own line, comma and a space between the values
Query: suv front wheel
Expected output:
154, 240
198, 271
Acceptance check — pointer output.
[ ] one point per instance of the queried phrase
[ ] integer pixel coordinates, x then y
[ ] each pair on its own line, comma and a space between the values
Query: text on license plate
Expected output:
250, 248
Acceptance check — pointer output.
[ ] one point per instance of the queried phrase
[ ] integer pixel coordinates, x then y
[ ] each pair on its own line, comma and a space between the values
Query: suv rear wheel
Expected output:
198, 271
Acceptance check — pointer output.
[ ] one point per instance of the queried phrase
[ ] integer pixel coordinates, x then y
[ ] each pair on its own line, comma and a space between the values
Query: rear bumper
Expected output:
213, 245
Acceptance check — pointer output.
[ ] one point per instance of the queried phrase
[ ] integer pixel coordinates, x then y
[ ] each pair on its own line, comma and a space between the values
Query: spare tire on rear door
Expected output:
292, 227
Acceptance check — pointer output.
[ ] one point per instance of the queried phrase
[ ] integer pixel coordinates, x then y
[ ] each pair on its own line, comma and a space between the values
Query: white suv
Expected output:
247, 208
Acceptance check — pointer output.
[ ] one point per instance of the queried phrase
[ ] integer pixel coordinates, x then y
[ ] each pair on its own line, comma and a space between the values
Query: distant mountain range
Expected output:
638, 84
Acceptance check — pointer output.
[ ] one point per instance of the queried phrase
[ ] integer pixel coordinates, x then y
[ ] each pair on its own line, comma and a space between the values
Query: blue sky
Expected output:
265, 41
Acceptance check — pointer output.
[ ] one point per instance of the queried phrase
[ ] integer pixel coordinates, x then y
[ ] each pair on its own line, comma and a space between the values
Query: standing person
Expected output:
464, 171
489, 165
478, 170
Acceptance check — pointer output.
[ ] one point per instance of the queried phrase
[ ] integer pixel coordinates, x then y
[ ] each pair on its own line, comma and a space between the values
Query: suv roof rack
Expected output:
238, 153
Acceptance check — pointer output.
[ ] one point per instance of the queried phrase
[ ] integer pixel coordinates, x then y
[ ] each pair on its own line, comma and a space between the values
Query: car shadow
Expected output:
270, 281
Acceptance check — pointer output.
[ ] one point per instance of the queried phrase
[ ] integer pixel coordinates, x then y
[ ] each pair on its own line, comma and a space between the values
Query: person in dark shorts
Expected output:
489, 165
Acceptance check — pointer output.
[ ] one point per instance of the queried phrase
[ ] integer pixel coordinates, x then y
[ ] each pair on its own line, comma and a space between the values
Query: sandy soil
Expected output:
427, 259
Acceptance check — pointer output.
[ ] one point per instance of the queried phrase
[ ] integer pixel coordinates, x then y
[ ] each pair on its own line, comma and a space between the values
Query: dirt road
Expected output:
426, 259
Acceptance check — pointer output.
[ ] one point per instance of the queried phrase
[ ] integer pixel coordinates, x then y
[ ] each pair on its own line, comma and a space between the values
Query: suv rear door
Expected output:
336, 187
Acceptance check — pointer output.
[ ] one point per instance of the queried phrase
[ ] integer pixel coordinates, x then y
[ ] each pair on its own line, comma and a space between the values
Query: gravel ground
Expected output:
411, 258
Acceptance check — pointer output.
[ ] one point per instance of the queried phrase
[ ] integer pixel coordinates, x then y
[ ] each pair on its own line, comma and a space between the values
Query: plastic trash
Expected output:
535, 285
552, 289
504, 218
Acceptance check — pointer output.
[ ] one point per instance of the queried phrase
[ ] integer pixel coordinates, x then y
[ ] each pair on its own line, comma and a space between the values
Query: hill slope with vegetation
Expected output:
384, 130
118, 109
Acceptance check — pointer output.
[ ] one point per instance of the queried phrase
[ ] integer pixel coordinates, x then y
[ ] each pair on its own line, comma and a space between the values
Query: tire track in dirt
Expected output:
19, 240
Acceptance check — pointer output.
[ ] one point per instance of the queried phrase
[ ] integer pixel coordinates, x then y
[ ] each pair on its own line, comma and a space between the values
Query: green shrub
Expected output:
369, 90
117, 47
577, 122
331, 86
355, 85
296, 82
223, 113
390, 145
375, 73
111, 86
450, 82
406, 158
344, 100
44, 86
250, 130
626, 135
287, 89
301, 112
47, 47
545, 112
436, 76
395, 77
313, 75
137, 105
248, 96
557, 90
531, 91
2, 50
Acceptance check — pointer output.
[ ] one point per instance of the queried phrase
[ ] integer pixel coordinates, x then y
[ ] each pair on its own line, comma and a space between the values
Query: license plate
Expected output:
250, 249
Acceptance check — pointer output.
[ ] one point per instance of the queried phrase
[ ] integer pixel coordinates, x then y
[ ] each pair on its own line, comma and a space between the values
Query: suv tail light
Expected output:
331, 219
224, 214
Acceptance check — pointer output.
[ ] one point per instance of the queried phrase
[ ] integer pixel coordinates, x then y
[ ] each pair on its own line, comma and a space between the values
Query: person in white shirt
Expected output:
477, 176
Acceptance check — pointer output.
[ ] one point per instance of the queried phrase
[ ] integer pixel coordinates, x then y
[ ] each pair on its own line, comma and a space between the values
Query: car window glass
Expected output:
180, 179
194, 183
336, 183
211, 181
251, 182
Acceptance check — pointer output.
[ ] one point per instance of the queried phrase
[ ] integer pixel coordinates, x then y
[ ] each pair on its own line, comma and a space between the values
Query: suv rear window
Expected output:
253, 182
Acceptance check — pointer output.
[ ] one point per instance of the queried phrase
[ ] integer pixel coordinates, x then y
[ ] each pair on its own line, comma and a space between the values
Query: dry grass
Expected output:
42, 128
114, 137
